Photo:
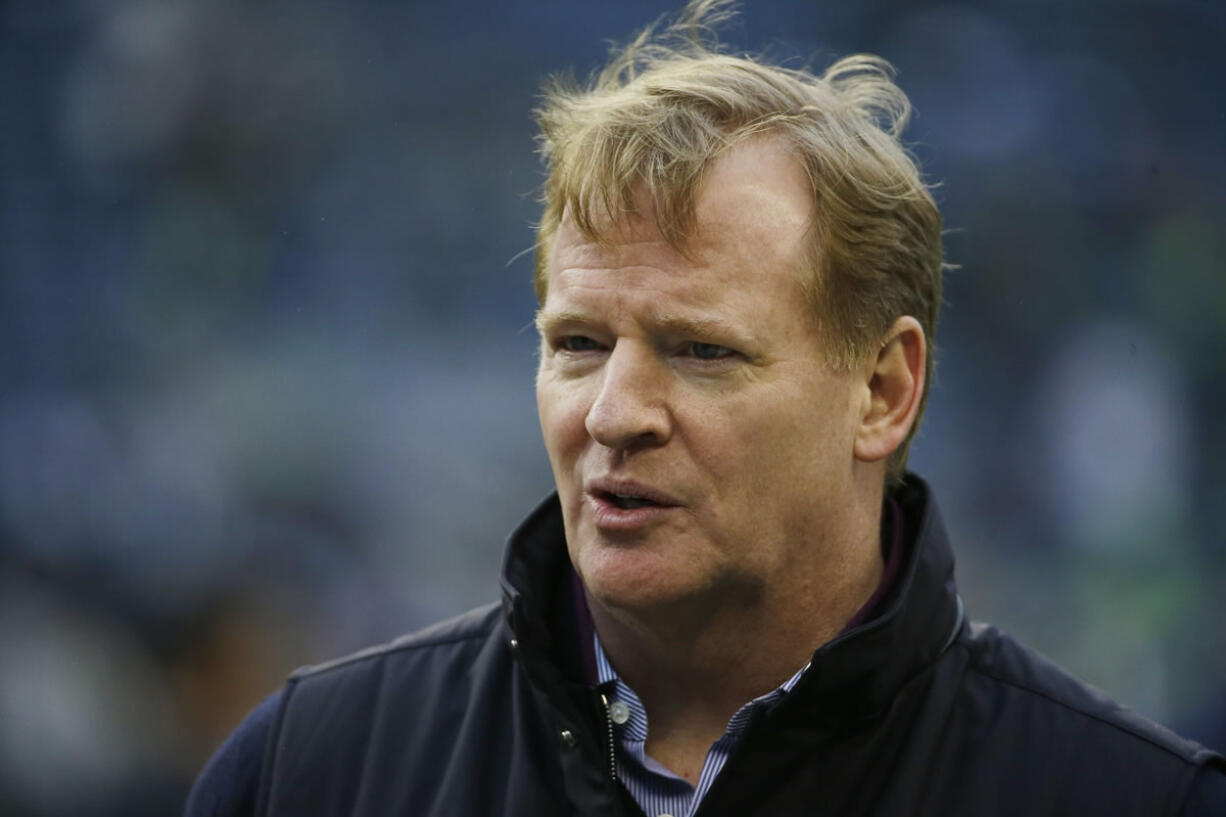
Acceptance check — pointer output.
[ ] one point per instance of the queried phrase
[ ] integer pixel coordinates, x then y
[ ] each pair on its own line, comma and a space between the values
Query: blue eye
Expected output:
578, 343
709, 351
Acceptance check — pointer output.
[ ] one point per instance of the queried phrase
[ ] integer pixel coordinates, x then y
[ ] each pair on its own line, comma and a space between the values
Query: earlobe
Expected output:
895, 384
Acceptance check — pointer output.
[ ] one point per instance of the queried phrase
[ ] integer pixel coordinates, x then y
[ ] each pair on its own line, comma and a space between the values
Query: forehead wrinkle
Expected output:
722, 253
591, 256
695, 308
659, 320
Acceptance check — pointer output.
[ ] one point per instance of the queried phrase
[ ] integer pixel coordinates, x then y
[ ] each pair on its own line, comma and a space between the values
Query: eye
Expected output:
710, 351
577, 343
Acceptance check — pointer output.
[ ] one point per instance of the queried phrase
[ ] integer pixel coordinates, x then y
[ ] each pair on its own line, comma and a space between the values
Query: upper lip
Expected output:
628, 487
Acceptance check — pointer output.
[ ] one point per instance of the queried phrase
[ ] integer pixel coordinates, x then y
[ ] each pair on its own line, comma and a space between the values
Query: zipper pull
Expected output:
608, 723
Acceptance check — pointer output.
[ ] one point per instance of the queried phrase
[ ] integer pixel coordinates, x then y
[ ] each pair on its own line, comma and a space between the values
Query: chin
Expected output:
631, 580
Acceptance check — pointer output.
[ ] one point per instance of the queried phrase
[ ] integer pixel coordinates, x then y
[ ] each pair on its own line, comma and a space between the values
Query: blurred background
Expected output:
266, 359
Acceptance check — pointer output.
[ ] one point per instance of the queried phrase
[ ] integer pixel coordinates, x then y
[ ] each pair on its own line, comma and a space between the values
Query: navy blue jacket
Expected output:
914, 712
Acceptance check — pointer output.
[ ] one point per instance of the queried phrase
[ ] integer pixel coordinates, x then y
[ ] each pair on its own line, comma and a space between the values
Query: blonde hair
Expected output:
671, 101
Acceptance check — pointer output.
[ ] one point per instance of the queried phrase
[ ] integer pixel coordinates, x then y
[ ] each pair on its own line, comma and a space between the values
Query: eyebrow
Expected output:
669, 322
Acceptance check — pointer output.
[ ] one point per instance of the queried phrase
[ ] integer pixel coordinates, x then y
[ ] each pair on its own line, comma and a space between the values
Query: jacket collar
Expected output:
852, 676
858, 673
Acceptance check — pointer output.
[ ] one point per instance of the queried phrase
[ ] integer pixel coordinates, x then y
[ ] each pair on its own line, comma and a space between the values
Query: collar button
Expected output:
619, 713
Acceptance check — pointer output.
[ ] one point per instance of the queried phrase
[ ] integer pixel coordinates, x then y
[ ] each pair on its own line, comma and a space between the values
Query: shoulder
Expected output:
452, 660
1001, 660
228, 784
337, 696
1023, 707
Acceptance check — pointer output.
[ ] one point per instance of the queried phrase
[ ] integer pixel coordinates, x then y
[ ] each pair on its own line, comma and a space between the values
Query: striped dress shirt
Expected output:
658, 791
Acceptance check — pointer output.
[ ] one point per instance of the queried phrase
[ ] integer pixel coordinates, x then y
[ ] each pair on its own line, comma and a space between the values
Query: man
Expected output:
737, 602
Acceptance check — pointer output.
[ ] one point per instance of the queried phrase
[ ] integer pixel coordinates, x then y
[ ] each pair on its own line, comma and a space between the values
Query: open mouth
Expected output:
625, 495
626, 502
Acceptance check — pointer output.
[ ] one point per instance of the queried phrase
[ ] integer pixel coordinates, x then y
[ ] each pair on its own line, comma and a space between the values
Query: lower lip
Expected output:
609, 517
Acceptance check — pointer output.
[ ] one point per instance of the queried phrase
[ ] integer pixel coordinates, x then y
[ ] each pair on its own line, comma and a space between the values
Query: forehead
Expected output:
755, 196
752, 211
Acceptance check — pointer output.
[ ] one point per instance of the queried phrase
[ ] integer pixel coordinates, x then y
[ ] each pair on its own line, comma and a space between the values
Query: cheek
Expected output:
563, 416
780, 445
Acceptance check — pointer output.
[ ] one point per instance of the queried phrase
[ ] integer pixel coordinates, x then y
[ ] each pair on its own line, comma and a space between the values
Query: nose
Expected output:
631, 409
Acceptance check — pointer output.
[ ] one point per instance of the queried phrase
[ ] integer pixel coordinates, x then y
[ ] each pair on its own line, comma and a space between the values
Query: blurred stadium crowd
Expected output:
266, 358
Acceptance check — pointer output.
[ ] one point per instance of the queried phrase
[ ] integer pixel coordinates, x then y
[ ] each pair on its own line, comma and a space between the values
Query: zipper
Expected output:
608, 723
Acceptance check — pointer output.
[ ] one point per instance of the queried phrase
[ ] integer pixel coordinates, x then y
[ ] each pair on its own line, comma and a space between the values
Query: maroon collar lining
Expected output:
892, 544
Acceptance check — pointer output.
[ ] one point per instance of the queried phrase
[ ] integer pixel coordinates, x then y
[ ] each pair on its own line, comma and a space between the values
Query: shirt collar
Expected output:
636, 719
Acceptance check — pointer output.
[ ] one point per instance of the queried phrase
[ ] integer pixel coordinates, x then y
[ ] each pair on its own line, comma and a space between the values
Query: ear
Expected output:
894, 381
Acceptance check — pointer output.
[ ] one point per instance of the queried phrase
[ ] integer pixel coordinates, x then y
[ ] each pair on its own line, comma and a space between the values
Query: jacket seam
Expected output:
922, 800
1092, 716
371, 733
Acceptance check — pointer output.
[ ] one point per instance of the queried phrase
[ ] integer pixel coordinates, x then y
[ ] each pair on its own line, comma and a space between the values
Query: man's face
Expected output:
701, 444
